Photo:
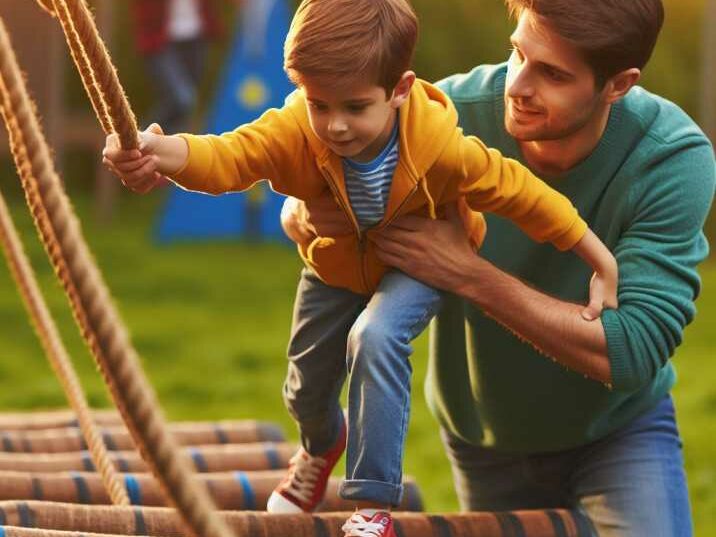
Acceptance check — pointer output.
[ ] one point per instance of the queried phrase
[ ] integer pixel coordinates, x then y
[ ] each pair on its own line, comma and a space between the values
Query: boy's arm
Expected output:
269, 148
504, 186
603, 286
501, 185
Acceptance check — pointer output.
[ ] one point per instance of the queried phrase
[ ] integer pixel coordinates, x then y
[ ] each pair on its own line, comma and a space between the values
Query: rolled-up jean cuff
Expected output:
372, 491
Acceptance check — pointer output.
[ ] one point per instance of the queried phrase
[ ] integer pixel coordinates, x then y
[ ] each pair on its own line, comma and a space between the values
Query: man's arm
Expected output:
439, 253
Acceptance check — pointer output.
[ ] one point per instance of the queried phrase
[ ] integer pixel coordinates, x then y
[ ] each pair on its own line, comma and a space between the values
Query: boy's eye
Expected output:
356, 108
318, 106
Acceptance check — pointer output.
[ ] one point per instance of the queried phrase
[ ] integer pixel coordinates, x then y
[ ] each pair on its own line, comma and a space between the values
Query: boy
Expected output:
385, 144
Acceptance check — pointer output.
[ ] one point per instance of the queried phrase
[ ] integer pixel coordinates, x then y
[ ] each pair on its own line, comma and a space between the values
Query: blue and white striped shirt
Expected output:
368, 183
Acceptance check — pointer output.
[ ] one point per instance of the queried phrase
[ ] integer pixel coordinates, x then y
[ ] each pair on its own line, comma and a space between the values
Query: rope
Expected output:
47, 6
92, 306
54, 349
98, 75
83, 66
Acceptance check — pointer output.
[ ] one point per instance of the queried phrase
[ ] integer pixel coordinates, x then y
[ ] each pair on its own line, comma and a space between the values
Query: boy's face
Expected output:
550, 92
354, 122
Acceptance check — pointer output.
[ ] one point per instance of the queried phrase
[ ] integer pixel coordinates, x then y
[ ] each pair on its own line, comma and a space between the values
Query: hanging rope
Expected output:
96, 70
46, 329
84, 68
47, 6
93, 309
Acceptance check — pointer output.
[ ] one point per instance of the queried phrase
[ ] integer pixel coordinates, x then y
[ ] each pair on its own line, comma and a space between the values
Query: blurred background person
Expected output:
172, 36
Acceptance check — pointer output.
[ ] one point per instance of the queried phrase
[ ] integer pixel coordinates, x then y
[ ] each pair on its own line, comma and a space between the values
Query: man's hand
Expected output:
436, 252
136, 168
320, 217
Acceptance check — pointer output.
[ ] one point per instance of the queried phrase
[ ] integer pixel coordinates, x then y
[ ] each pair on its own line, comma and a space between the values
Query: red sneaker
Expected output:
304, 486
365, 524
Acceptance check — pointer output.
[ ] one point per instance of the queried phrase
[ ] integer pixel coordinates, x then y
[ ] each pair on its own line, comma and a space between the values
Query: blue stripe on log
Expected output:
134, 489
248, 493
83, 493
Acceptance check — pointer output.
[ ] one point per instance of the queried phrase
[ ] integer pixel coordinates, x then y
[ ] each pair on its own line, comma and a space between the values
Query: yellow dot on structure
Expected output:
253, 93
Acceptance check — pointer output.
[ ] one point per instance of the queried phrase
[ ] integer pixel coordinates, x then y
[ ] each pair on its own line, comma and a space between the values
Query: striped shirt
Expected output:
368, 183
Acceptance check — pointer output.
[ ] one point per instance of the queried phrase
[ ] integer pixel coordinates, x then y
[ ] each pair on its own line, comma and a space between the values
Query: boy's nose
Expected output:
337, 125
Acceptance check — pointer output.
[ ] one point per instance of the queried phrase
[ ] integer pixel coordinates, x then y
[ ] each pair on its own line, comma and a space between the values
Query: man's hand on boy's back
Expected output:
143, 169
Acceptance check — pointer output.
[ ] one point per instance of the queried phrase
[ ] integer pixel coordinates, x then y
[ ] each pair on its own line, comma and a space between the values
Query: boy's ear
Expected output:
618, 85
402, 89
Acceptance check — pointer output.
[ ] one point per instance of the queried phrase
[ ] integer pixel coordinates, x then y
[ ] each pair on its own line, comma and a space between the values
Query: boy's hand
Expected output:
602, 294
136, 168
603, 285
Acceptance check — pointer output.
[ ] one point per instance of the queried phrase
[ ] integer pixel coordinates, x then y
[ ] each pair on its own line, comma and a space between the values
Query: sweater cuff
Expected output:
617, 350
192, 175
568, 239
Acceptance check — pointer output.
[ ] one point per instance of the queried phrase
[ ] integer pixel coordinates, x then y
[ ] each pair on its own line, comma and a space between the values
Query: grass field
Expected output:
211, 322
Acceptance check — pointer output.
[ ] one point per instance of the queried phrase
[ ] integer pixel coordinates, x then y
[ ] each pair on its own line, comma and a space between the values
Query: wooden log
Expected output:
51, 519
207, 458
117, 438
230, 490
54, 419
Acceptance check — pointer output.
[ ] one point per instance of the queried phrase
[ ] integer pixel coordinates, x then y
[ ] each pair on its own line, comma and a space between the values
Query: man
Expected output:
172, 36
593, 428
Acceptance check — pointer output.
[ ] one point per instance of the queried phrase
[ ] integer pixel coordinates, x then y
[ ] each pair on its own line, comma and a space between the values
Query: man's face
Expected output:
354, 122
550, 92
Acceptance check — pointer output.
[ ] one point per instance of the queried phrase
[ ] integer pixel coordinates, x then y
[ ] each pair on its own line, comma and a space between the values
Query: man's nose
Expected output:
520, 84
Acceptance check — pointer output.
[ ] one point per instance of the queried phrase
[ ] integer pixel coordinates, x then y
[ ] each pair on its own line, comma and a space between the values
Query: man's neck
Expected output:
556, 157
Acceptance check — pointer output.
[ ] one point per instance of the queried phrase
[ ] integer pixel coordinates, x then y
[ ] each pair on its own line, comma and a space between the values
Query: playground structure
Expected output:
48, 459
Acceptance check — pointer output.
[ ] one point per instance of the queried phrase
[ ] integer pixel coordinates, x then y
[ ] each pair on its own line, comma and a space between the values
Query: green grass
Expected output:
210, 322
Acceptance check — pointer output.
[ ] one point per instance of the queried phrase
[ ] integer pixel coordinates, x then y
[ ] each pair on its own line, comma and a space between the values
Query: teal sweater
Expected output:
645, 191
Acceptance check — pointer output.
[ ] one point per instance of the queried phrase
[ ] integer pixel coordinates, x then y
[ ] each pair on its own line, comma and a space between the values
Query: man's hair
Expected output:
611, 35
342, 41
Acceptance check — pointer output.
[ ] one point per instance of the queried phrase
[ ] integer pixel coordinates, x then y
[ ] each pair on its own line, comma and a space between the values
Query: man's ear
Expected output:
618, 85
402, 89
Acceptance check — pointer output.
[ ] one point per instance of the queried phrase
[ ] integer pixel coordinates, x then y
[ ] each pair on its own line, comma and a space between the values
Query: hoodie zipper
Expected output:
396, 213
359, 234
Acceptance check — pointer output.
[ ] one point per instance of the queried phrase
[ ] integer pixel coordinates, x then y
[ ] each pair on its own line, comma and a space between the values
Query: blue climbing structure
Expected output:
253, 81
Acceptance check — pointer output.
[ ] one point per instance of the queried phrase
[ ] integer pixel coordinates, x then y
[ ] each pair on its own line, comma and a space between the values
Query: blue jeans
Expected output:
374, 335
630, 483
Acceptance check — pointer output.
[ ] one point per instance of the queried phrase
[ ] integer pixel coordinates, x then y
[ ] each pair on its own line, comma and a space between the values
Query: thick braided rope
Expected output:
47, 6
92, 306
46, 329
98, 74
83, 67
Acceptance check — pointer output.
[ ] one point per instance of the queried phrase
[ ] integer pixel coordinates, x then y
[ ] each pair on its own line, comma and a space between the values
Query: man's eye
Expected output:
517, 55
554, 75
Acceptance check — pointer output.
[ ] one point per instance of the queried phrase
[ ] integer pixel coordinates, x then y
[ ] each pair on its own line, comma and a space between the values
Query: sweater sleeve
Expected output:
268, 148
657, 253
493, 183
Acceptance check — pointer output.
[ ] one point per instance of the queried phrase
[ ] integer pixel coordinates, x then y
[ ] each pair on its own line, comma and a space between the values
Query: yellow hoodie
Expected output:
437, 165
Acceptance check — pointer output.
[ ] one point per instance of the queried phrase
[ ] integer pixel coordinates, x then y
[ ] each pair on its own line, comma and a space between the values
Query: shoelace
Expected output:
305, 470
358, 526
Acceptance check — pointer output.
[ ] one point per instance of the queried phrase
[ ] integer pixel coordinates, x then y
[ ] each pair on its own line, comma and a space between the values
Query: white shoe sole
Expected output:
279, 504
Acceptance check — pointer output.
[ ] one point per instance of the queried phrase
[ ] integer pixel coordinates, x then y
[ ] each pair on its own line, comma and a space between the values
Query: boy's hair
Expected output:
611, 35
342, 41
